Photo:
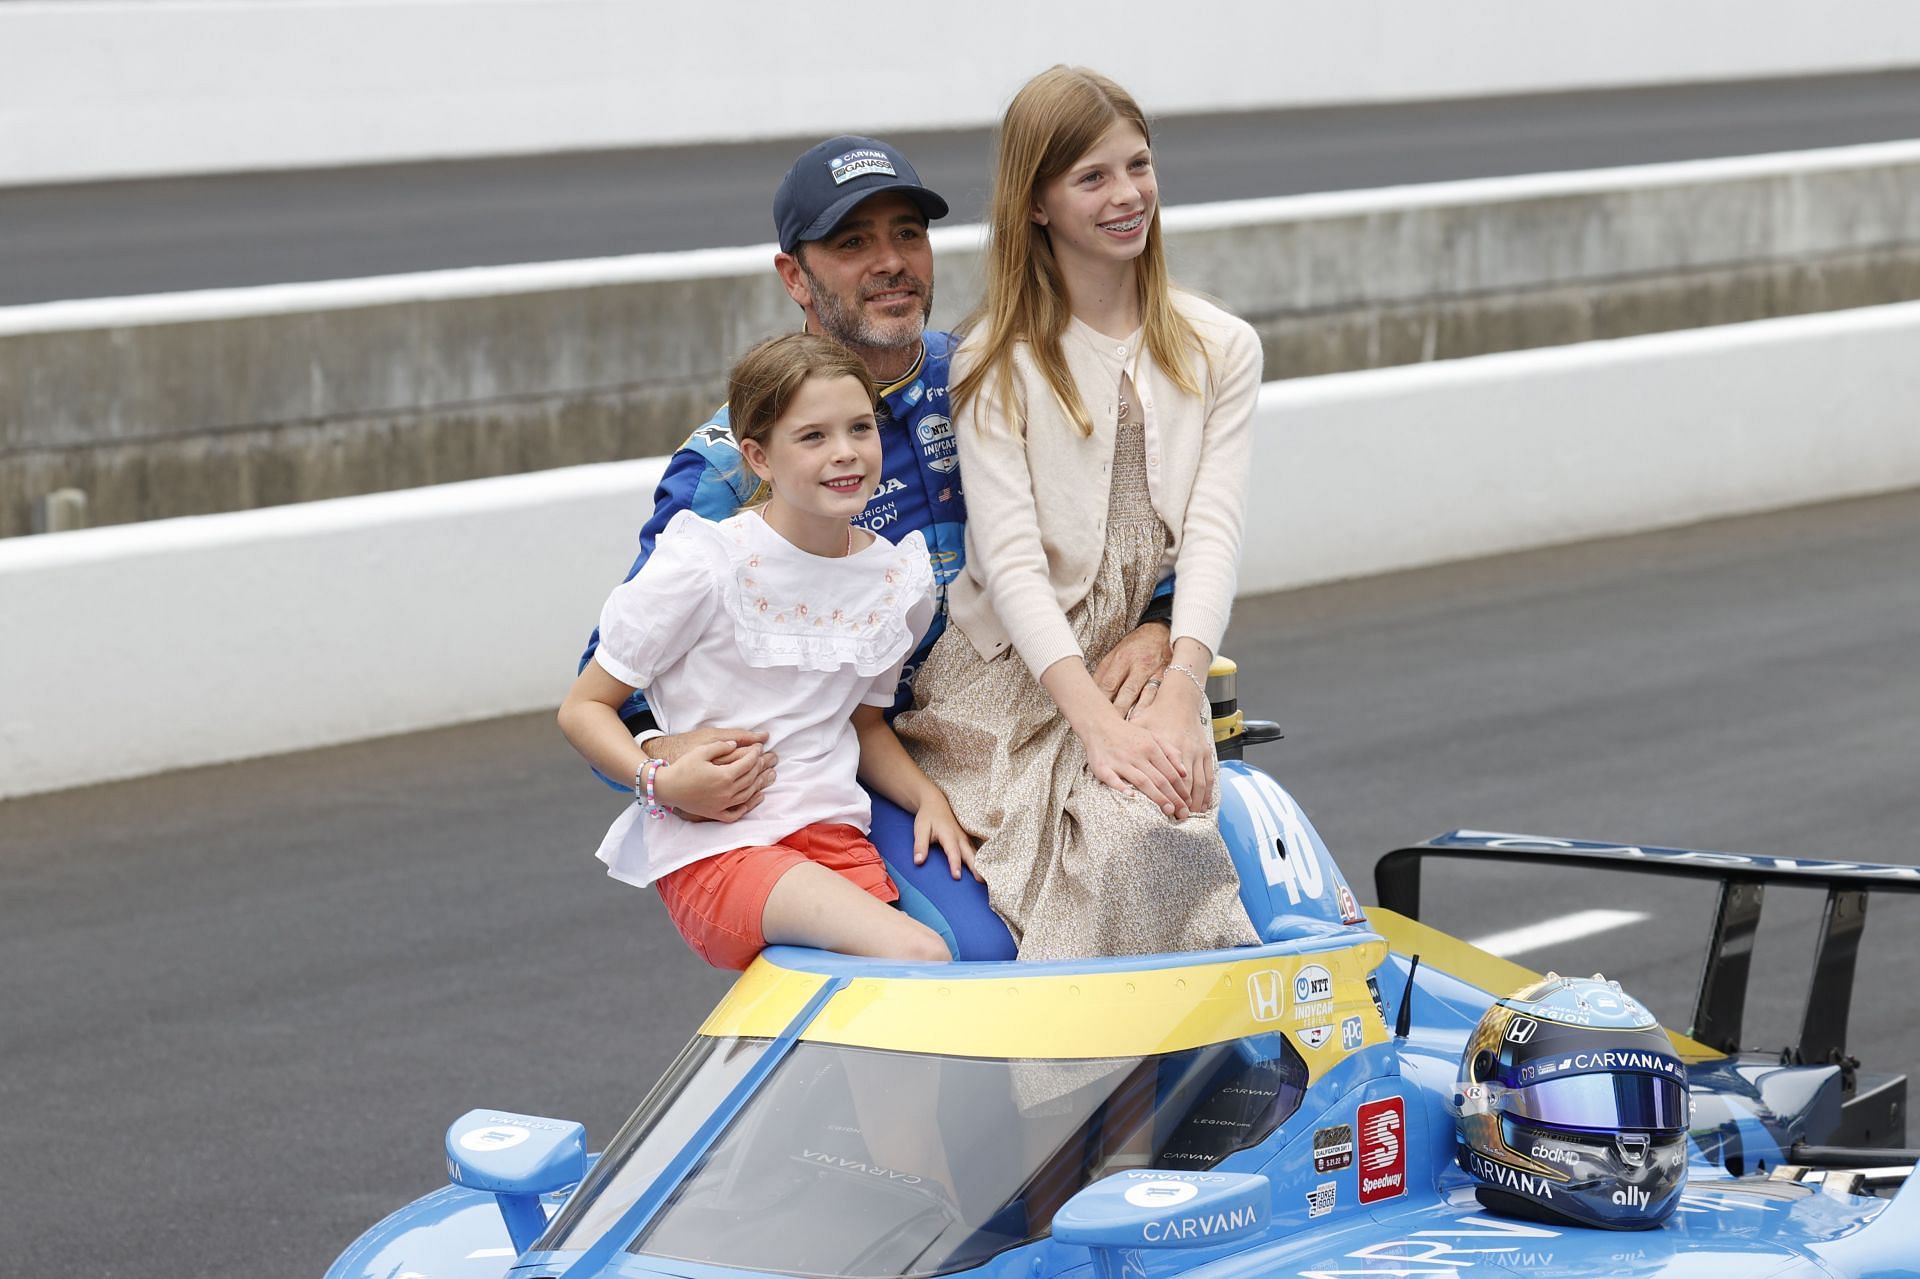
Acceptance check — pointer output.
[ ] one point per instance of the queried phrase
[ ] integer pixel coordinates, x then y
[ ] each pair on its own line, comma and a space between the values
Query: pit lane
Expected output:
241, 1004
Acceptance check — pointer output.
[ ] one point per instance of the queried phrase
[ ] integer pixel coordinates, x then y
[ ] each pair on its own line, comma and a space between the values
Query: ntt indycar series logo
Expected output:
1383, 1149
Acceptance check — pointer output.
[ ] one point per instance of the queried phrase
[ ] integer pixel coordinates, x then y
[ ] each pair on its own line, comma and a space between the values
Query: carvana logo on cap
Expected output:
856, 164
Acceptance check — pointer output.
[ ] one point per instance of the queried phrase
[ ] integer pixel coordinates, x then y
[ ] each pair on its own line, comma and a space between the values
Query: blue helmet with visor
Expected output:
1572, 1107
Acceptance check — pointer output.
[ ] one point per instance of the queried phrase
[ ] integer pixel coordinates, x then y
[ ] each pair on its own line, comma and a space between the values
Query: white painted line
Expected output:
1548, 932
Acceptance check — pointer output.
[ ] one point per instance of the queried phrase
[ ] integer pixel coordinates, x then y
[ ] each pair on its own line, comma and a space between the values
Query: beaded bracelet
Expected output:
643, 788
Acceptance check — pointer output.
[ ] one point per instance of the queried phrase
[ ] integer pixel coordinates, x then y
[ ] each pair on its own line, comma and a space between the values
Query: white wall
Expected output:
1404, 467
101, 88
146, 647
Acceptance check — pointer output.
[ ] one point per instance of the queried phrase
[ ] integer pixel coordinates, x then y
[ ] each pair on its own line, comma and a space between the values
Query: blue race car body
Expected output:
1265, 1112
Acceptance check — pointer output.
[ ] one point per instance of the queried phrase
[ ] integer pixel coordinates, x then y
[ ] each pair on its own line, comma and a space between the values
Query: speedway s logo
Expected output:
1383, 1151
1521, 1031
1266, 995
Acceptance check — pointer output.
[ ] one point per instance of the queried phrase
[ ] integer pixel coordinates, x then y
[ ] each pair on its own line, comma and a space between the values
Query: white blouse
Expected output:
730, 625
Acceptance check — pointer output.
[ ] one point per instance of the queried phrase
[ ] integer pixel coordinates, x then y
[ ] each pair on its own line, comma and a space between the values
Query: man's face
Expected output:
868, 284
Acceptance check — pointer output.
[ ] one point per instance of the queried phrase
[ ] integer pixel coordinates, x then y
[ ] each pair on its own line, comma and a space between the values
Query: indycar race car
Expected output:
1280, 1110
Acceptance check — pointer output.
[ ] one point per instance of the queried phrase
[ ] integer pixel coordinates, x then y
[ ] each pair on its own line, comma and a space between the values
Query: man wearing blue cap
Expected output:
852, 218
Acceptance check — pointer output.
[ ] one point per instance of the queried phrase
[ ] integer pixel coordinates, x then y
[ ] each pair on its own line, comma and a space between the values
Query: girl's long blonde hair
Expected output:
1056, 118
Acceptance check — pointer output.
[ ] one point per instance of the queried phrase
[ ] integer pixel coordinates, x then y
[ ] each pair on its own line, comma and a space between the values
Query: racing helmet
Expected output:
1572, 1107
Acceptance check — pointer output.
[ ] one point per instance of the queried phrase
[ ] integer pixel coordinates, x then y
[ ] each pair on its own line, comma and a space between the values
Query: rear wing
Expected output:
1721, 1003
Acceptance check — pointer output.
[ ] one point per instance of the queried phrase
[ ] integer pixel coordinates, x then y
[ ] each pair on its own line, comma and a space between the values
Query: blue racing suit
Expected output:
919, 488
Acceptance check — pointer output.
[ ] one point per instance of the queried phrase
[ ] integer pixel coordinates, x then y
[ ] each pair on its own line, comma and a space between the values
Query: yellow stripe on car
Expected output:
762, 1003
1125, 1013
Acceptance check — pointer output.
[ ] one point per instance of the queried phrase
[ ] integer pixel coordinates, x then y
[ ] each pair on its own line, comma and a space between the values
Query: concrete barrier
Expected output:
180, 642
99, 89
183, 642
1401, 468
224, 400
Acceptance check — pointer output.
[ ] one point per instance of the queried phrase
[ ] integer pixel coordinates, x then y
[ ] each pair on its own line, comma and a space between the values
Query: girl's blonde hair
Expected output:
765, 380
1056, 118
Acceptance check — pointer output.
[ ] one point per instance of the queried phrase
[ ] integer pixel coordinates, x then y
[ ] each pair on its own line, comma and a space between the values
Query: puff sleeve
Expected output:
651, 620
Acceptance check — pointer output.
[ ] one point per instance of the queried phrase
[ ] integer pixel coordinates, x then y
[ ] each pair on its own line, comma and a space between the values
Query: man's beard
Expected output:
852, 326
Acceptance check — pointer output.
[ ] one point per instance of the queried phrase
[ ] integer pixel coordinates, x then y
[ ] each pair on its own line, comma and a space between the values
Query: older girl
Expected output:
1102, 420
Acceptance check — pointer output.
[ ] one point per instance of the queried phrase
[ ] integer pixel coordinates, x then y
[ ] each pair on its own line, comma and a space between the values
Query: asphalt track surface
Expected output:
239, 1005
165, 235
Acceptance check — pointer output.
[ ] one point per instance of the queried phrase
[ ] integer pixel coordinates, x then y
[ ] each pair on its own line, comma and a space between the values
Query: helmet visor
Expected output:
1602, 1100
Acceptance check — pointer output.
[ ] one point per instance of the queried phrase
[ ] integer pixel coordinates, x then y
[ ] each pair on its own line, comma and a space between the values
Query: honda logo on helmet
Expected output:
1521, 1031
1266, 995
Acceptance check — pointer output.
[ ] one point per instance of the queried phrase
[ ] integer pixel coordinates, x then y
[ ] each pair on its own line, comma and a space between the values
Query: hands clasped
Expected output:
715, 774
1163, 750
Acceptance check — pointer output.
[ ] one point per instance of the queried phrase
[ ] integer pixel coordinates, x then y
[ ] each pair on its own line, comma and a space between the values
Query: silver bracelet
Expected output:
1189, 673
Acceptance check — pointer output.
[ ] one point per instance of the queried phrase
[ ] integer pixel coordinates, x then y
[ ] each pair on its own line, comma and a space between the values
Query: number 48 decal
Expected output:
1286, 850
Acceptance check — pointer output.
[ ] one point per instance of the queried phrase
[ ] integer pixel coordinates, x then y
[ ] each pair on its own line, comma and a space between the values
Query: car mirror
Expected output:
1150, 1208
516, 1159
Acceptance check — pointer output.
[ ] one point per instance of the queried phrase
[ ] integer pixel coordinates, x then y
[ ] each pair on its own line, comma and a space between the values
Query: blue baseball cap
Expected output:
829, 179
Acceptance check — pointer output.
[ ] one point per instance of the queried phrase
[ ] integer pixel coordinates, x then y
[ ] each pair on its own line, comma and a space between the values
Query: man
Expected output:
852, 219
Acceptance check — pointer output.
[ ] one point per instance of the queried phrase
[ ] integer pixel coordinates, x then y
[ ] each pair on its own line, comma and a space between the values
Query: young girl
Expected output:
1102, 422
789, 617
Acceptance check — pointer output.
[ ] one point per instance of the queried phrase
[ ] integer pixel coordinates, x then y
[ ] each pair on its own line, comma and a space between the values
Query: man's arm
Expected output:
1160, 607
1144, 652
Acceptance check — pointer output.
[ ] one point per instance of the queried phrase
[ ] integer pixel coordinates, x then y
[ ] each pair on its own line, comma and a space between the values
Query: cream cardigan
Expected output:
1037, 504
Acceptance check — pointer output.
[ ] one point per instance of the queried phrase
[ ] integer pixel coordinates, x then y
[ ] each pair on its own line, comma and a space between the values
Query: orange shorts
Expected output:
717, 902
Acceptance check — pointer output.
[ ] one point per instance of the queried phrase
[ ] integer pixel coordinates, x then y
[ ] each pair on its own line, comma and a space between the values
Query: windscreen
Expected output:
865, 1164
696, 1083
